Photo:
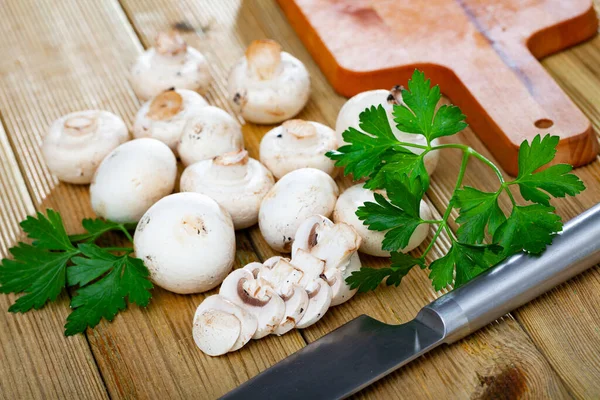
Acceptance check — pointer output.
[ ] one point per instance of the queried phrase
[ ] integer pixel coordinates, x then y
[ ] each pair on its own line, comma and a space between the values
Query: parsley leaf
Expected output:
477, 210
119, 277
418, 114
367, 279
530, 228
47, 232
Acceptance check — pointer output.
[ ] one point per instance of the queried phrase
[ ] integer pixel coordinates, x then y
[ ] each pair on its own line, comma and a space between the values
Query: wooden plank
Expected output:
69, 55
37, 360
480, 365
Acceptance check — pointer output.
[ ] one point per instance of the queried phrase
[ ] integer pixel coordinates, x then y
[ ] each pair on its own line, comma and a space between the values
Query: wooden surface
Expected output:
482, 53
63, 55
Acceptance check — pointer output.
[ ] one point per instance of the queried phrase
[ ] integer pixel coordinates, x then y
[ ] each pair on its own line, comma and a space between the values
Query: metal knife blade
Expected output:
343, 362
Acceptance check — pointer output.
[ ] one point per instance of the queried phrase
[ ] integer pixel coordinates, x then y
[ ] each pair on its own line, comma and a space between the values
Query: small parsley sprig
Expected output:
54, 261
398, 167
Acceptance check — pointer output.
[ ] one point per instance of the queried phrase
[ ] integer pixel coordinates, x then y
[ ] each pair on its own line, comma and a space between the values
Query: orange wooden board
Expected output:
482, 52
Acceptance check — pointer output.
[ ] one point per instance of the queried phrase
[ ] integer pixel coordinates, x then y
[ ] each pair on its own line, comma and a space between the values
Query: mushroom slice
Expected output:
256, 297
336, 278
284, 278
216, 332
248, 322
253, 267
270, 262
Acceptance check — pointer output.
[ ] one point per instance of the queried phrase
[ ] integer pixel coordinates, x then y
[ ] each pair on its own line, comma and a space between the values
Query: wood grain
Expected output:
70, 55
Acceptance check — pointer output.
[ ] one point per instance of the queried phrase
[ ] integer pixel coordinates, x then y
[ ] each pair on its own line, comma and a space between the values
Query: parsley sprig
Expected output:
54, 261
397, 167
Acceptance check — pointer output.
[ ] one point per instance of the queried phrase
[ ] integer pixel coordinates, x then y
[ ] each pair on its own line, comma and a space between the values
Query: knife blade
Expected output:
364, 350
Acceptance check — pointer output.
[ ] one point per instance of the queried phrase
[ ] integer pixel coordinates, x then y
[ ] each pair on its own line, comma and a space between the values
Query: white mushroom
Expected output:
298, 144
209, 133
187, 242
319, 291
235, 181
350, 112
268, 85
284, 278
297, 196
345, 211
77, 142
131, 178
164, 116
213, 327
336, 245
255, 296
170, 64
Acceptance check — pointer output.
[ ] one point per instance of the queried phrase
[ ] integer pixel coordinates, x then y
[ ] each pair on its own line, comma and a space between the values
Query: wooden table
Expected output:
57, 56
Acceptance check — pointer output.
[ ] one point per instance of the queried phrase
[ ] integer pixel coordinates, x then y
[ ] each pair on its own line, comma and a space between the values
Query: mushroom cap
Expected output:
77, 143
170, 64
131, 178
268, 85
235, 181
349, 116
256, 297
209, 133
298, 144
248, 322
187, 242
297, 196
345, 211
165, 115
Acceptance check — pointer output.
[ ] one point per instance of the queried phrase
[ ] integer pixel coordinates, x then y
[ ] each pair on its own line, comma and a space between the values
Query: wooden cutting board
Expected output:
483, 53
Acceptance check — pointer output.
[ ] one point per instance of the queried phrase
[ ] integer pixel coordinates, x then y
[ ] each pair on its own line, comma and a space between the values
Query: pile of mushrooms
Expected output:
281, 294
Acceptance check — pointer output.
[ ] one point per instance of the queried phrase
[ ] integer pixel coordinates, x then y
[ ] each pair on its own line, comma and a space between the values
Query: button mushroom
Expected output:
298, 144
165, 116
268, 85
76, 143
187, 242
131, 178
235, 181
220, 326
297, 196
349, 117
255, 296
169, 64
345, 211
209, 133
336, 245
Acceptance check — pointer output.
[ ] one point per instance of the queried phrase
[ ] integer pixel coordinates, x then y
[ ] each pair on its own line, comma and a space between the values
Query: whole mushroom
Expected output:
187, 242
298, 144
131, 178
350, 112
268, 85
165, 116
345, 211
76, 143
297, 196
235, 181
209, 133
171, 63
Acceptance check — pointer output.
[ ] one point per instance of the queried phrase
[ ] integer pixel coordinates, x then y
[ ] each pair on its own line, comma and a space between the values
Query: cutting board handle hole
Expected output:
543, 123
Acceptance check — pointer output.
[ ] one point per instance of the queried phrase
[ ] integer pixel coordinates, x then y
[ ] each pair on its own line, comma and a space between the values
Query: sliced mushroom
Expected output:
235, 181
345, 211
211, 132
76, 143
256, 297
298, 144
205, 332
216, 332
297, 196
336, 278
169, 64
268, 85
132, 178
164, 116
349, 116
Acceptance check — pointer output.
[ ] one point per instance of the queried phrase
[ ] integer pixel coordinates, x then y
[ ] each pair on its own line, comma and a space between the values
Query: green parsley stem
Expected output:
127, 250
432, 221
416, 146
127, 234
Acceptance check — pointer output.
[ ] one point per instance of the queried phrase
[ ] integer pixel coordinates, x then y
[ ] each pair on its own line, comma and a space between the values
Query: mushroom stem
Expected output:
264, 58
165, 106
170, 45
230, 166
299, 133
81, 125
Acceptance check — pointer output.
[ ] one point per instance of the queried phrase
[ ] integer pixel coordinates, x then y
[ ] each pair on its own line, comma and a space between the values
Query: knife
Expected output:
365, 350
